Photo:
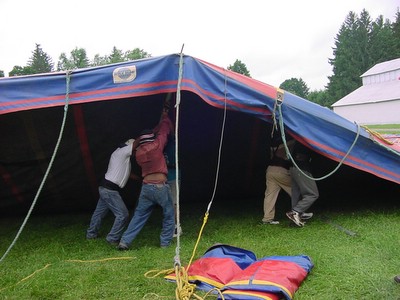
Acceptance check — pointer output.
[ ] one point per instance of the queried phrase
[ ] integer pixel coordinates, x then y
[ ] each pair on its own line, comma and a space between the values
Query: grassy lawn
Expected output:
345, 266
386, 128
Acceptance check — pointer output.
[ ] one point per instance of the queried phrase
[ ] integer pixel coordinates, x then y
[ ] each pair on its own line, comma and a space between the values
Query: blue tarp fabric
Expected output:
317, 127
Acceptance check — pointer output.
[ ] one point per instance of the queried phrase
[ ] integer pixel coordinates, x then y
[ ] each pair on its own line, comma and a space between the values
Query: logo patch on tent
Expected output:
124, 74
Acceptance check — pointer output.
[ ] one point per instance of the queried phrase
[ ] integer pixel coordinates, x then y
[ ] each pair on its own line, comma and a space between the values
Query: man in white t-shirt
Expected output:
116, 177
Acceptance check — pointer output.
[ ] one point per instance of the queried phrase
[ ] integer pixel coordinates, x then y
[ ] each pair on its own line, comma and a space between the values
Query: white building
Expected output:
377, 101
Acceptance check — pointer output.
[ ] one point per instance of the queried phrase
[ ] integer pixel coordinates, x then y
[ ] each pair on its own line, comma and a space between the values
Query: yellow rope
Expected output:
70, 260
184, 289
27, 277
37, 271
158, 273
378, 135
153, 296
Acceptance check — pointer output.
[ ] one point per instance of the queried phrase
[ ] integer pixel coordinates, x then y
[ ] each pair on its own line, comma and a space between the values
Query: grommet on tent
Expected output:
278, 102
279, 94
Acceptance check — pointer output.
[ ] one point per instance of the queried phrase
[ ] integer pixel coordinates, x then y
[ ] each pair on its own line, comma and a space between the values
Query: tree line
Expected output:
360, 44
41, 62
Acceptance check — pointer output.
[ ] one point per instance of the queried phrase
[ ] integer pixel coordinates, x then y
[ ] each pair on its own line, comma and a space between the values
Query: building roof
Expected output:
385, 91
380, 83
383, 67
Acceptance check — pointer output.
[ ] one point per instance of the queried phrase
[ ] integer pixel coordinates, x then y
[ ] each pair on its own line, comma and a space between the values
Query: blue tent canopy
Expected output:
145, 83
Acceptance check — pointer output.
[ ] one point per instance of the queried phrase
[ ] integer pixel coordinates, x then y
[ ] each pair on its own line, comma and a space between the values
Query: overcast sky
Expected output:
277, 40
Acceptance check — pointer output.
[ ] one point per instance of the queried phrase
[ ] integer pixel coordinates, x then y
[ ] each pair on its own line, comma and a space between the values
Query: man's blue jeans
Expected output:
152, 195
109, 200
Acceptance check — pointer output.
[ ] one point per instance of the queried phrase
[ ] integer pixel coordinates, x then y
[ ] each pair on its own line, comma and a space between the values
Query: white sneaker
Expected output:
295, 217
271, 222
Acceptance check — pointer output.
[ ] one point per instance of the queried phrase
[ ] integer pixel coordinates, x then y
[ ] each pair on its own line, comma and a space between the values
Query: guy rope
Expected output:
184, 289
278, 105
68, 79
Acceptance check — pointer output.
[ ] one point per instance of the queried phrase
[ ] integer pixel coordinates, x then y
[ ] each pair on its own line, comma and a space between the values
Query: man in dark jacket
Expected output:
155, 190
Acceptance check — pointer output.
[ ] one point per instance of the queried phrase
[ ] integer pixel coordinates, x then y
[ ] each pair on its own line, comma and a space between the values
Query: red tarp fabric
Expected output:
273, 277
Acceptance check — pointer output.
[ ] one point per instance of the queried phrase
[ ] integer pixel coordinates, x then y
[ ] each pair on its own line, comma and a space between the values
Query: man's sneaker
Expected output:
270, 222
295, 217
397, 278
306, 216
177, 231
122, 246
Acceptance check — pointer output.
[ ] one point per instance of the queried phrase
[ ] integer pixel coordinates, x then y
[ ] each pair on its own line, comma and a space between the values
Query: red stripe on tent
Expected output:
84, 145
365, 165
95, 92
219, 98
197, 90
388, 141
104, 98
29, 101
14, 189
262, 87
353, 158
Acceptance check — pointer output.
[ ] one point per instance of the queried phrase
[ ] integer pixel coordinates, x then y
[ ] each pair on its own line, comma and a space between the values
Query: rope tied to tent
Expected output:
67, 88
184, 289
282, 129
177, 106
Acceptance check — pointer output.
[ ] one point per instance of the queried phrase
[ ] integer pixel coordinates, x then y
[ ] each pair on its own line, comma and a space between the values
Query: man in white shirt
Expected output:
116, 177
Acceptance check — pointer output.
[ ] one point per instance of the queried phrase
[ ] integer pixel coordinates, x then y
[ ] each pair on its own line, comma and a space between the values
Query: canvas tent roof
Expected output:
140, 87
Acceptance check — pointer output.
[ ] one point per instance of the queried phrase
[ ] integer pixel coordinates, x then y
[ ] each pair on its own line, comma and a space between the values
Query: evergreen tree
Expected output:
116, 56
396, 35
382, 44
99, 60
296, 86
40, 62
350, 56
239, 67
359, 45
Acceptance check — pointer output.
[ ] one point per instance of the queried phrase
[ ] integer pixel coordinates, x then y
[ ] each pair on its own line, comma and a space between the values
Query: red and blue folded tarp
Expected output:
240, 275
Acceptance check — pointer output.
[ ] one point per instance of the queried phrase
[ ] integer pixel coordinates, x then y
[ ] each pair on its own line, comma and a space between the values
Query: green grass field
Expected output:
53, 260
386, 128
